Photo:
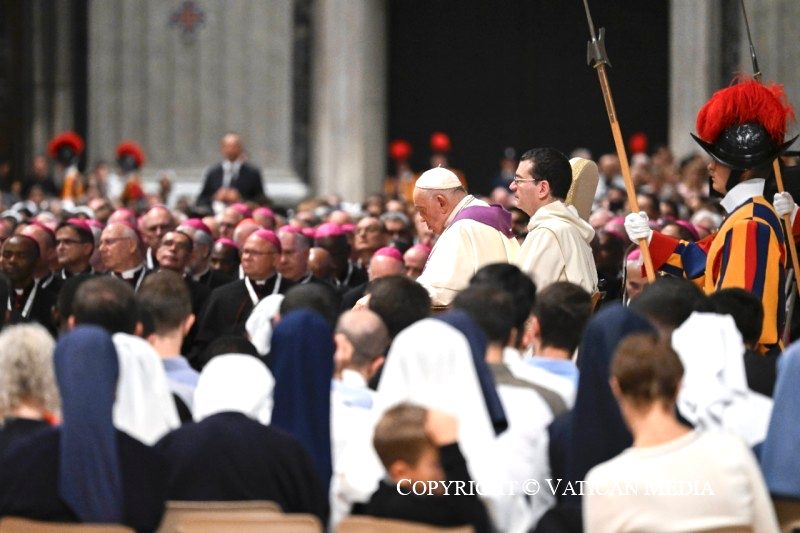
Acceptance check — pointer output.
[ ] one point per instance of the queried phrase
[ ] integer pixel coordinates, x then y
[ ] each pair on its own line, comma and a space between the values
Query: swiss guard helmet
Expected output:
66, 148
743, 126
130, 156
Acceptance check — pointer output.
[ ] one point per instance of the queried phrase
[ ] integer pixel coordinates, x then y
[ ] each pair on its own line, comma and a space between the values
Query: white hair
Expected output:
26, 369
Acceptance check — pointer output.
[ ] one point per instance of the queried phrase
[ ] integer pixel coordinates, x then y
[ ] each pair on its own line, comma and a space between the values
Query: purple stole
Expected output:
493, 216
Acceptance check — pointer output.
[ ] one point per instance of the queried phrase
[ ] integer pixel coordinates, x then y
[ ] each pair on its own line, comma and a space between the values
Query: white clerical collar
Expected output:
741, 193
459, 206
129, 274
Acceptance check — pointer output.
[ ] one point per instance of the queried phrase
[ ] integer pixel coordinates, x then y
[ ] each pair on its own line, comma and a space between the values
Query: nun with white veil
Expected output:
714, 393
430, 364
231, 453
144, 407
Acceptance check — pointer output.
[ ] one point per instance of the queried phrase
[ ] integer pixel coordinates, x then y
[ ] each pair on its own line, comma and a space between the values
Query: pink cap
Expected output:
269, 236
80, 223
635, 255
329, 229
197, 224
242, 209
308, 232
227, 242
389, 251
264, 212
94, 223
349, 227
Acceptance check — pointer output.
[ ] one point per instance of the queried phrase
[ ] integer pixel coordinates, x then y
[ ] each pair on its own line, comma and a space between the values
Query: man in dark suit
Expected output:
233, 179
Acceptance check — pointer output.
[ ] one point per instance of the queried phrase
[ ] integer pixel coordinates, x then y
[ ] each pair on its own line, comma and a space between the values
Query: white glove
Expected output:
784, 205
637, 227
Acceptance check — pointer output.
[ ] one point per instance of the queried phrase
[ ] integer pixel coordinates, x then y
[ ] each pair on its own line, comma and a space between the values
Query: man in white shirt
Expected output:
471, 234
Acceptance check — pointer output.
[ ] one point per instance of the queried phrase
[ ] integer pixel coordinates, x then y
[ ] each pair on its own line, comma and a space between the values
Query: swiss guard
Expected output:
66, 149
130, 158
742, 128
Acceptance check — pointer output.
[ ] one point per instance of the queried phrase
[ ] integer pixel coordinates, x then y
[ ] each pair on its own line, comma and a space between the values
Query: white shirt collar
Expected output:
353, 379
741, 193
128, 274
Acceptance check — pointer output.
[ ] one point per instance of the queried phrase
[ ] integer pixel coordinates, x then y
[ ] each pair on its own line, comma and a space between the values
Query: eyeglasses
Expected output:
517, 181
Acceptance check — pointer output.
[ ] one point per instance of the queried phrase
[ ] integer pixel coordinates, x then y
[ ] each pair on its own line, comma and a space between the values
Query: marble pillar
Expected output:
695, 56
176, 91
349, 107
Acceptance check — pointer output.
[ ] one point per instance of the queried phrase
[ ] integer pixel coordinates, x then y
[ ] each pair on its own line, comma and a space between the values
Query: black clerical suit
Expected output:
34, 304
229, 306
248, 182
213, 278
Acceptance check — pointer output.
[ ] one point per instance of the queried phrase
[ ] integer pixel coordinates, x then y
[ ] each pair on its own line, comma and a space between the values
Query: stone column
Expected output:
694, 67
349, 119
177, 92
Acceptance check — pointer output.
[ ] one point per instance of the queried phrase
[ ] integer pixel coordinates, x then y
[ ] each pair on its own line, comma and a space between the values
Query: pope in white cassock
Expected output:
471, 234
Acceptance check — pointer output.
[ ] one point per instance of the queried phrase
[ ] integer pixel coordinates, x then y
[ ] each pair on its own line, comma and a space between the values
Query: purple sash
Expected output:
493, 216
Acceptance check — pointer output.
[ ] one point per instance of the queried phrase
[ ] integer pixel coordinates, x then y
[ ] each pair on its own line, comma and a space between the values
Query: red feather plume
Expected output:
69, 138
132, 149
399, 150
747, 101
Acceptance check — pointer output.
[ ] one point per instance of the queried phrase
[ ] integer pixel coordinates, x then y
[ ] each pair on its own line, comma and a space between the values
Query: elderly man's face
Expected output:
118, 248
175, 252
293, 263
156, 223
434, 208
258, 258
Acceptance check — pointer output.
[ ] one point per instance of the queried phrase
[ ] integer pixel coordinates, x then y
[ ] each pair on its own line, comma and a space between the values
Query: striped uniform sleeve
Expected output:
680, 258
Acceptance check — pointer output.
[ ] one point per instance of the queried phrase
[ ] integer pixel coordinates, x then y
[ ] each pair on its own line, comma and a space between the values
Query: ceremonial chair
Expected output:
788, 512
370, 524
248, 522
178, 510
12, 524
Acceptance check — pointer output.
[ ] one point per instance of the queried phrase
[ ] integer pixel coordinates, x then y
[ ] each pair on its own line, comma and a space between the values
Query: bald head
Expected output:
381, 266
364, 335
